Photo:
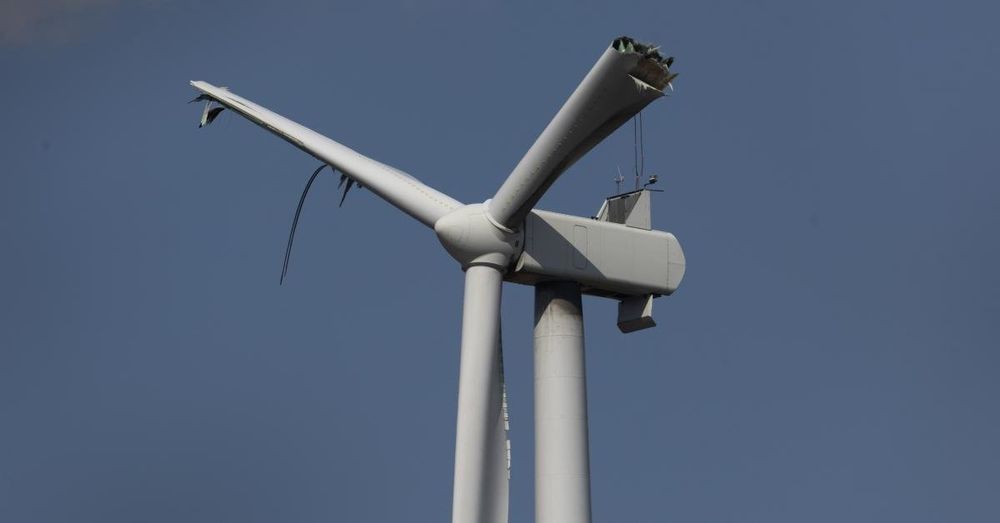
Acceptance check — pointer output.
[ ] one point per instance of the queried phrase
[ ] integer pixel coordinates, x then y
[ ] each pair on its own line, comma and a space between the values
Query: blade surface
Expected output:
396, 187
481, 486
623, 81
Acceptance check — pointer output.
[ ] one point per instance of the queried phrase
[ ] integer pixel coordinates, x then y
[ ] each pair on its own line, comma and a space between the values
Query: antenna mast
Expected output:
619, 180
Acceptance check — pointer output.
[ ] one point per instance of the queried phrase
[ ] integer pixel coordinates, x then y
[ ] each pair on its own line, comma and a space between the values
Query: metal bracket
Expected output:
635, 313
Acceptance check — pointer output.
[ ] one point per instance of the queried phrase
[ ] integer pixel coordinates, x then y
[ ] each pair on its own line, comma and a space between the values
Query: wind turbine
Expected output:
562, 256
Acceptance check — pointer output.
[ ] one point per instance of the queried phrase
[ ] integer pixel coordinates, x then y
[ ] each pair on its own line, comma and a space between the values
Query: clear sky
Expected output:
830, 169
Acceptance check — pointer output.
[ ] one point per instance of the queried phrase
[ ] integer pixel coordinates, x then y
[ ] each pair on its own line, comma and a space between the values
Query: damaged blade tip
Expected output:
653, 68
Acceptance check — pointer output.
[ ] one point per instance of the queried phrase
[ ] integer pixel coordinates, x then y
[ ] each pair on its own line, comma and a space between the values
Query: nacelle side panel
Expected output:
607, 259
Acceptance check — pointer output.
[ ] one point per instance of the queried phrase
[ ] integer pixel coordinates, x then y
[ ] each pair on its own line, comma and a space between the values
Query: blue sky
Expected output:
830, 170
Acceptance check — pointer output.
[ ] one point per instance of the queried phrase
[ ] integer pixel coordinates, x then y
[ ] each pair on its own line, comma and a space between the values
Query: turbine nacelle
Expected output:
607, 259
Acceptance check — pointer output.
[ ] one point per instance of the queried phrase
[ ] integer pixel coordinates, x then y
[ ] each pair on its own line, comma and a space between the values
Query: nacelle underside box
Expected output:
608, 259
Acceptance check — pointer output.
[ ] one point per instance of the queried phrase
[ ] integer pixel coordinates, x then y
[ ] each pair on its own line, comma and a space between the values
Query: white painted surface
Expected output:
607, 97
579, 253
562, 456
472, 239
396, 187
481, 490
632, 209
641, 214
619, 260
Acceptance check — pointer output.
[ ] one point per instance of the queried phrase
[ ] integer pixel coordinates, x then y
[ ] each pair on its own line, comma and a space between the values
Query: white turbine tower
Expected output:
615, 256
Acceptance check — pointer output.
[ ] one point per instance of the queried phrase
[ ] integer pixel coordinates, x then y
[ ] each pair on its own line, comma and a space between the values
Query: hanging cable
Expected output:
295, 221
639, 148
642, 148
635, 146
635, 149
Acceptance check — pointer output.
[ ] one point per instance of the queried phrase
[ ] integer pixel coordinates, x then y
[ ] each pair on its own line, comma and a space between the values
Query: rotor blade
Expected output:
626, 78
396, 187
481, 474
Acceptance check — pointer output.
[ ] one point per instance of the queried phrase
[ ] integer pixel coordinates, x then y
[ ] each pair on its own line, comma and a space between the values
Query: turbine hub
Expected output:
471, 237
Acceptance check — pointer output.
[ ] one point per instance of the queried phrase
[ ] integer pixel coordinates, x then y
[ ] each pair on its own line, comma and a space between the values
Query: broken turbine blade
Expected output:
628, 76
213, 114
204, 114
350, 183
418, 200
210, 114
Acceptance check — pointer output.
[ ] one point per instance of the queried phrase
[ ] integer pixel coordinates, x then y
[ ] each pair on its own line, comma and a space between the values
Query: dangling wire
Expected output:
642, 148
635, 149
295, 221
639, 148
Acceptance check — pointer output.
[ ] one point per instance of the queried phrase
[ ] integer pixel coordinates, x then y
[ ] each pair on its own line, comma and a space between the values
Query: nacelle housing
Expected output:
607, 259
